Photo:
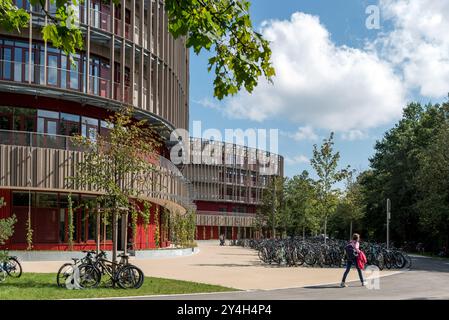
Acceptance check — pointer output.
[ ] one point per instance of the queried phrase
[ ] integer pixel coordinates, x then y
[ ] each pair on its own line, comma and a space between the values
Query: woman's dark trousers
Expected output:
349, 264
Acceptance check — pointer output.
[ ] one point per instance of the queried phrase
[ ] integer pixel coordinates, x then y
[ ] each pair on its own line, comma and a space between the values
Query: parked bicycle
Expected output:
313, 252
10, 266
94, 268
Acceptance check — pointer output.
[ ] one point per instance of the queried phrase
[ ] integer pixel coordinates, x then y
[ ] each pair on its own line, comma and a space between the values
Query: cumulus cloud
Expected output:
353, 135
303, 133
418, 44
298, 159
208, 103
319, 83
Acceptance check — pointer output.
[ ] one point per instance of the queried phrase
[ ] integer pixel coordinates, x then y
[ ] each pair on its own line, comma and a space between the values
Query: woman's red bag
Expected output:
361, 260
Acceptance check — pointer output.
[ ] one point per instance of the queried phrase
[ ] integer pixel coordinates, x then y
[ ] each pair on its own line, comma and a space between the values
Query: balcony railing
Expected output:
68, 79
225, 213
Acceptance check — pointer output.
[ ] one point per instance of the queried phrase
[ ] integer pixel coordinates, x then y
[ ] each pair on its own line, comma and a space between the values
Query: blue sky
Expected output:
351, 53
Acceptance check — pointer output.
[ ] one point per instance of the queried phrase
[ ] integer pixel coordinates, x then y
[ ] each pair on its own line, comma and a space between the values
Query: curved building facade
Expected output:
129, 58
229, 181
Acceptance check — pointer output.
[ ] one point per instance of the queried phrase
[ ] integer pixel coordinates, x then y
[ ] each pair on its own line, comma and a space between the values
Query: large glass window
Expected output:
18, 59
52, 69
46, 200
47, 122
6, 63
89, 127
6, 116
74, 73
22, 199
94, 74
69, 124
27, 63
25, 119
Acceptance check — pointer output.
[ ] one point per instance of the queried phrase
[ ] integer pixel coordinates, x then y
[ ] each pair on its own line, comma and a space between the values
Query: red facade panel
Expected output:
6, 208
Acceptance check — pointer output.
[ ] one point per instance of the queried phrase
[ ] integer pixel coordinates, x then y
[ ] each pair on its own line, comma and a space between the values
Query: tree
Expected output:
272, 204
241, 54
351, 207
325, 164
432, 181
118, 164
300, 204
394, 170
6, 225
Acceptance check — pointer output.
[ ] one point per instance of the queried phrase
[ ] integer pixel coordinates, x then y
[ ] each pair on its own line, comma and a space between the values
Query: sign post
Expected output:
388, 222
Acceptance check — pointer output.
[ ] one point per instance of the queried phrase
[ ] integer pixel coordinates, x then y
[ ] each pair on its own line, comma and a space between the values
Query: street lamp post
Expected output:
388, 222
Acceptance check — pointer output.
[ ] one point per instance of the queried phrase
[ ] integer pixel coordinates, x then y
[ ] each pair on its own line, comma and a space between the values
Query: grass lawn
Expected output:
43, 286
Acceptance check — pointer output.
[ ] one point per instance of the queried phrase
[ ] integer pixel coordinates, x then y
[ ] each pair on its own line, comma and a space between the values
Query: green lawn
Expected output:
43, 286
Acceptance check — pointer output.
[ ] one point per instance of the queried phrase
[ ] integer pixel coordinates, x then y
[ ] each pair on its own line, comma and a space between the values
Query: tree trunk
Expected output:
325, 229
350, 230
273, 211
114, 237
98, 235
125, 233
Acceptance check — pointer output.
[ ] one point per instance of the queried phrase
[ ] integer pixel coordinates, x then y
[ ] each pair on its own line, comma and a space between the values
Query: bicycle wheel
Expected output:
299, 258
64, 272
310, 259
89, 277
380, 262
408, 261
3, 275
129, 277
13, 267
399, 260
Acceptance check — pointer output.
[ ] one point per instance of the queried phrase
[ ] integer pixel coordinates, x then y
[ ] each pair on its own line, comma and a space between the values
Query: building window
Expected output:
25, 119
69, 124
47, 122
46, 200
7, 65
22, 199
89, 127
6, 118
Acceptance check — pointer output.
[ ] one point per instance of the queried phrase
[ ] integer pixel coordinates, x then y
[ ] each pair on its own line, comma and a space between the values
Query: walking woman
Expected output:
352, 252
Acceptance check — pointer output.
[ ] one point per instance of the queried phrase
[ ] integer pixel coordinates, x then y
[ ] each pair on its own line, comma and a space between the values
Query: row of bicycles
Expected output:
95, 269
313, 252
10, 267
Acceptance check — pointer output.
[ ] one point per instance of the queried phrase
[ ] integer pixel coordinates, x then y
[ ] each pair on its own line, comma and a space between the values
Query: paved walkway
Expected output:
234, 267
428, 279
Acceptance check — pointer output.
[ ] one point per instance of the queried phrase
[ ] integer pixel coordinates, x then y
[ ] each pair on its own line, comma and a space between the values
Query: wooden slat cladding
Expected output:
47, 169
224, 221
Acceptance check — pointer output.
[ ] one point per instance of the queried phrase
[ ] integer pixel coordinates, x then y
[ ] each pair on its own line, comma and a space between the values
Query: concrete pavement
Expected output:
233, 267
428, 279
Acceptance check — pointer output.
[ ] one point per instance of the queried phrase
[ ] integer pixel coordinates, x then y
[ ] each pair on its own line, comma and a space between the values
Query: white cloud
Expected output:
319, 83
303, 133
208, 103
299, 159
418, 44
353, 135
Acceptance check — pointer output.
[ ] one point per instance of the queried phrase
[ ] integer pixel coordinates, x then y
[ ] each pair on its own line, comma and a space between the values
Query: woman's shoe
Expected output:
343, 285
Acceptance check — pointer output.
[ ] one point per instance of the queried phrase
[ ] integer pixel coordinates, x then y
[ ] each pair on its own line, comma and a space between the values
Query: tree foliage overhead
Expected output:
241, 56
11, 17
